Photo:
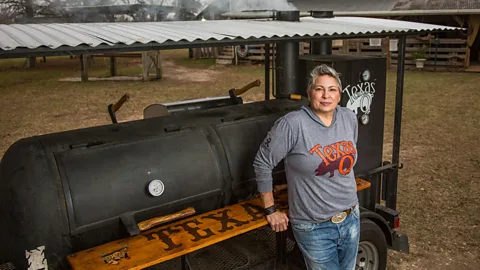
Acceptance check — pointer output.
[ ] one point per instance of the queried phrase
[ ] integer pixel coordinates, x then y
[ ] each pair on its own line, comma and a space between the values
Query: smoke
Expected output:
245, 5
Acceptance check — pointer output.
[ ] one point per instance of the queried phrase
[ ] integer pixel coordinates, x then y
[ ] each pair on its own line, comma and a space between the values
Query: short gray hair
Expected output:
320, 71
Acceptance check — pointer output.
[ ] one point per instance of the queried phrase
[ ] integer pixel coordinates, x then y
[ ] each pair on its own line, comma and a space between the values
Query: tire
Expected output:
372, 249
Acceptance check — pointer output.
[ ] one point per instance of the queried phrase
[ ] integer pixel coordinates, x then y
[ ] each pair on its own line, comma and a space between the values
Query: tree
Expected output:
11, 9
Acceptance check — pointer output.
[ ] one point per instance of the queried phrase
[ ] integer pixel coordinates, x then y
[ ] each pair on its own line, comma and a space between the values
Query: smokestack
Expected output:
323, 46
286, 59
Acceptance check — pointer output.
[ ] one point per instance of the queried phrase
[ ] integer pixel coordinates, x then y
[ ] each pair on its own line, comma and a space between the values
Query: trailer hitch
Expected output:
113, 108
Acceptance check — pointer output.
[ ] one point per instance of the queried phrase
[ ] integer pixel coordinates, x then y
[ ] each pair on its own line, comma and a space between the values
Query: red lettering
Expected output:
316, 149
339, 151
346, 149
347, 170
353, 151
329, 153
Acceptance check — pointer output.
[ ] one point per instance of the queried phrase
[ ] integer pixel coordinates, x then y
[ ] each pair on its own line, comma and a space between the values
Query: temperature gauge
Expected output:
156, 188
366, 75
365, 119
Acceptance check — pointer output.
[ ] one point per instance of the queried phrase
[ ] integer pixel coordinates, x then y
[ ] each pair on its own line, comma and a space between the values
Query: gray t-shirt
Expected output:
318, 161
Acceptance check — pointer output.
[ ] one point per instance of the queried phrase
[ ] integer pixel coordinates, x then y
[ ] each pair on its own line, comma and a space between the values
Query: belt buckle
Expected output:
340, 217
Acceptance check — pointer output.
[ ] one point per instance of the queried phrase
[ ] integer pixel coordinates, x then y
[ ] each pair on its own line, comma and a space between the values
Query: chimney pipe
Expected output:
324, 46
286, 60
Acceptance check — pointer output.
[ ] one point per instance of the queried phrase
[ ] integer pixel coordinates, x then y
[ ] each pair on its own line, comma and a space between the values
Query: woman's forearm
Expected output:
267, 199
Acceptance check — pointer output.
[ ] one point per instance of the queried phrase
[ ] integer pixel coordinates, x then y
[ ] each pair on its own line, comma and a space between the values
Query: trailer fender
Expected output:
380, 221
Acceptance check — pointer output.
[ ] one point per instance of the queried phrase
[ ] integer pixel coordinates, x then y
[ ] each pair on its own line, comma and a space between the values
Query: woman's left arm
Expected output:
275, 147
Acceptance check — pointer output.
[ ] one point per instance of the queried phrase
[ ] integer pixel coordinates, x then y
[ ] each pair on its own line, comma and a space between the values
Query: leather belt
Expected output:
340, 217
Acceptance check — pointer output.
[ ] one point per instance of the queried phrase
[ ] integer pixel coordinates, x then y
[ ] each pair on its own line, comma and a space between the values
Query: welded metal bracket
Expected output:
130, 224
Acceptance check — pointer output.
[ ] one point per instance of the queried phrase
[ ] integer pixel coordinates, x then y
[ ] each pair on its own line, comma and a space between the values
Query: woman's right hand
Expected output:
278, 221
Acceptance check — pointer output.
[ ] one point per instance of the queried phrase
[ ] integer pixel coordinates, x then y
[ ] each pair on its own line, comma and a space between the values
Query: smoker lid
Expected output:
102, 183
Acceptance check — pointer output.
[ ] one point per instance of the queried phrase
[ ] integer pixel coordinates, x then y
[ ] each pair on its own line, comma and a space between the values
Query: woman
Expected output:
318, 145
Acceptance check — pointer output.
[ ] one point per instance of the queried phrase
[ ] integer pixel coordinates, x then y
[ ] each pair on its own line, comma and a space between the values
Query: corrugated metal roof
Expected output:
437, 5
158, 34
345, 5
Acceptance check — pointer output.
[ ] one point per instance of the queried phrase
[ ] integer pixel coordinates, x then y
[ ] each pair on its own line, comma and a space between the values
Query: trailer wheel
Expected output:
372, 249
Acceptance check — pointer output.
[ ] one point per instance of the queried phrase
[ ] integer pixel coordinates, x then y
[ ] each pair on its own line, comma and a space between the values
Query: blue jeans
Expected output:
327, 245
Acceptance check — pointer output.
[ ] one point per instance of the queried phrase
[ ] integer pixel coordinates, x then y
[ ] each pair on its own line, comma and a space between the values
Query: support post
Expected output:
274, 69
151, 59
158, 66
281, 252
113, 66
185, 264
31, 62
346, 46
235, 55
387, 51
145, 66
267, 71
84, 67
474, 24
391, 201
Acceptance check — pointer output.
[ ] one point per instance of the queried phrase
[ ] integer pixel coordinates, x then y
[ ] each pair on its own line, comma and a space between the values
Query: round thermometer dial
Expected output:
156, 188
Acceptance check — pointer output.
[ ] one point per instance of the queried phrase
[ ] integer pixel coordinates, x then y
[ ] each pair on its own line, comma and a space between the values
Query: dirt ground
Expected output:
439, 186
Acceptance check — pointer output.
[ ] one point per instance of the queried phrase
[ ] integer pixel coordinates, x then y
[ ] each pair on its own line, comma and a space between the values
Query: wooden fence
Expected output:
443, 53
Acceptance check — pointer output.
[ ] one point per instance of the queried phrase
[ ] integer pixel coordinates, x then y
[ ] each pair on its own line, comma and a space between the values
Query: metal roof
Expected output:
437, 5
345, 5
20, 40
385, 5
420, 12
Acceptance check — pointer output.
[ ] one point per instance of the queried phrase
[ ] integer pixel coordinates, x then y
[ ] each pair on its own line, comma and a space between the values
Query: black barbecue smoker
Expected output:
67, 192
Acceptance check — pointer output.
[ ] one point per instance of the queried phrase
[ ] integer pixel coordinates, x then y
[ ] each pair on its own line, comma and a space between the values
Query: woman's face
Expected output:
324, 95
